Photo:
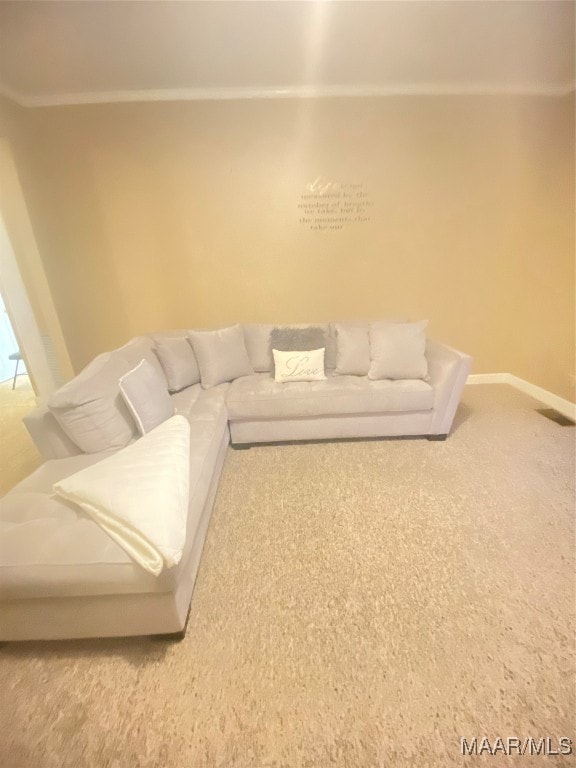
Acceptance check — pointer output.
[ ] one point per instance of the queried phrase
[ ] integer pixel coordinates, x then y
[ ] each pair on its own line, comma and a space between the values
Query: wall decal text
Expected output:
333, 205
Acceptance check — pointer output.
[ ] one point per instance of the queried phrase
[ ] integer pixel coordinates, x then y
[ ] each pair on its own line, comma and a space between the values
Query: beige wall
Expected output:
161, 215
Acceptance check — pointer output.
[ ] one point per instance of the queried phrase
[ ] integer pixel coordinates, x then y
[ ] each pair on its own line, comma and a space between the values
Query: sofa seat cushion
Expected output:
184, 400
49, 548
260, 397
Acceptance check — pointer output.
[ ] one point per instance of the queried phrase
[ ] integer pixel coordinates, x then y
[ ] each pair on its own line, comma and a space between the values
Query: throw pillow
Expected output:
90, 408
178, 362
221, 355
140, 348
146, 396
352, 349
303, 365
291, 338
257, 338
398, 350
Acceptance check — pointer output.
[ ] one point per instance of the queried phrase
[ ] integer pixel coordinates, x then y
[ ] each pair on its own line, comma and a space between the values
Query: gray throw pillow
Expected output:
293, 339
221, 355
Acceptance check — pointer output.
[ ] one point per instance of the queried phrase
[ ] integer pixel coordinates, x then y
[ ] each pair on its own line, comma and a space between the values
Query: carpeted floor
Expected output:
359, 605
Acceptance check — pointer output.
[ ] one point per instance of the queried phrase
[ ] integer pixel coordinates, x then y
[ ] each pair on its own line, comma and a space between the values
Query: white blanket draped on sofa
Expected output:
139, 495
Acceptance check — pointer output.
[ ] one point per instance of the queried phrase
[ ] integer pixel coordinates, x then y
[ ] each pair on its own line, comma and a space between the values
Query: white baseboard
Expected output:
488, 378
565, 407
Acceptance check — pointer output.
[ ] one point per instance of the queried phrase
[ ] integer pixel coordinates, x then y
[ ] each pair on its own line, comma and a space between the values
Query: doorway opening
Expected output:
12, 364
29, 303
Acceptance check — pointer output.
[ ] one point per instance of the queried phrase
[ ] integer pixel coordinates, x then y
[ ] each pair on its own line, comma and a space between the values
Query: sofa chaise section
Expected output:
61, 576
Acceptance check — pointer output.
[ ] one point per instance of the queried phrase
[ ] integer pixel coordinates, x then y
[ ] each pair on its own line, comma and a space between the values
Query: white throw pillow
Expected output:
140, 348
307, 365
146, 396
178, 362
221, 355
398, 350
352, 349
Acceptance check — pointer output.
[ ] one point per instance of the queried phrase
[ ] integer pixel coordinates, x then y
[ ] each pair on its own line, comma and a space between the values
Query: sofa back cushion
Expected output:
178, 361
257, 338
352, 349
90, 408
140, 348
221, 355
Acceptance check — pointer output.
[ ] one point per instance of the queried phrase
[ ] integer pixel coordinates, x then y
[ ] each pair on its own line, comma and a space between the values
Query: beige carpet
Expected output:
18, 454
358, 605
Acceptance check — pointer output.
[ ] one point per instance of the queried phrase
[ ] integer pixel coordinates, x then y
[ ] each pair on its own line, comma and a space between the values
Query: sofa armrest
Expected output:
48, 436
448, 370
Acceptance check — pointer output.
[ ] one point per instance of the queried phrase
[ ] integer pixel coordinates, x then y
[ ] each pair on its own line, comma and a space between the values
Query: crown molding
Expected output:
288, 92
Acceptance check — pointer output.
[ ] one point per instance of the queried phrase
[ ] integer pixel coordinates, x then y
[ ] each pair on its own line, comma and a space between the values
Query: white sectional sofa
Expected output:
62, 576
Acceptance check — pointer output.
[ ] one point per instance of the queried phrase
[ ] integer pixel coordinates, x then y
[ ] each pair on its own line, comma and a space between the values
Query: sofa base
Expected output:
173, 637
319, 441
415, 424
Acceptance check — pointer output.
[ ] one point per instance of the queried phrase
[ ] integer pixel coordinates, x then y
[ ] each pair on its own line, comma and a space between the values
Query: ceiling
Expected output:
95, 51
